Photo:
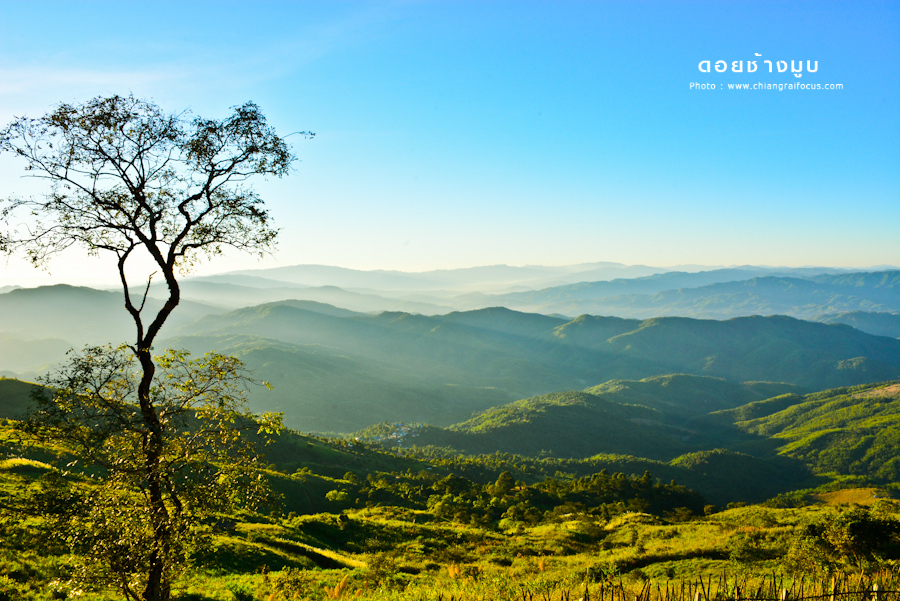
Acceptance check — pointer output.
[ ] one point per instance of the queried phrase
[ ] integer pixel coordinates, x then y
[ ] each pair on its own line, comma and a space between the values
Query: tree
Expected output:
126, 178
207, 460
859, 539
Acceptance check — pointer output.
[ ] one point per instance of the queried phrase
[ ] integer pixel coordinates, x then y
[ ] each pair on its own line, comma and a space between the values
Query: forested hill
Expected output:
781, 443
336, 370
525, 352
439, 369
847, 430
654, 418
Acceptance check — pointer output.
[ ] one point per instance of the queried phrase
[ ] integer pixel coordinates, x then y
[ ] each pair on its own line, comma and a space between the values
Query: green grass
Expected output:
408, 530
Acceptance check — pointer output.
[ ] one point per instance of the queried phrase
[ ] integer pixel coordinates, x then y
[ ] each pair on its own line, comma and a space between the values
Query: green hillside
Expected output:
854, 431
651, 418
570, 424
683, 396
752, 451
645, 418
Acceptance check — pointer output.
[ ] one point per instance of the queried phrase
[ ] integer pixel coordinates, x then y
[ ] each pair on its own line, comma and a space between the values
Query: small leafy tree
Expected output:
857, 540
207, 460
130, 180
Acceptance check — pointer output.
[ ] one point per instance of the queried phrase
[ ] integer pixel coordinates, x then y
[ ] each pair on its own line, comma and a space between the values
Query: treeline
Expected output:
507, 501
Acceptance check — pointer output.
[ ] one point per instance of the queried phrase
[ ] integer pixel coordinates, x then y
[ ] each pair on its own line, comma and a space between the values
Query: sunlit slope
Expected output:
848, 431
646, 418
772, 445
682, 396
572, 424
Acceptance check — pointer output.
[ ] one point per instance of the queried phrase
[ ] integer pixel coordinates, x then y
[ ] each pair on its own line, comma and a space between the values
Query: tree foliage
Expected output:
859, 539
124, 175
208, 460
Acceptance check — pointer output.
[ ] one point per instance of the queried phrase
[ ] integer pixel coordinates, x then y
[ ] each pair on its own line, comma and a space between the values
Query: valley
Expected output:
586, 433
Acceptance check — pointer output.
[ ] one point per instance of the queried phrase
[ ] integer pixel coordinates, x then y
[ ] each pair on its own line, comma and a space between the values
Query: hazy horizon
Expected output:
106, 279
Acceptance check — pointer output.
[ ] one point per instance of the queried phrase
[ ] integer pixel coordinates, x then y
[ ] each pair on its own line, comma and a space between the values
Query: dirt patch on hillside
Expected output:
892, 390
861, 496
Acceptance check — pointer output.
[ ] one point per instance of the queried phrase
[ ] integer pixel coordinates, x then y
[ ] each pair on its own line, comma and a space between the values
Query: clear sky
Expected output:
454, 134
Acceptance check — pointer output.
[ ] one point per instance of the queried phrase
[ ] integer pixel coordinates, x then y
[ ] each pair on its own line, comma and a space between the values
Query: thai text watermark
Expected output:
796, 66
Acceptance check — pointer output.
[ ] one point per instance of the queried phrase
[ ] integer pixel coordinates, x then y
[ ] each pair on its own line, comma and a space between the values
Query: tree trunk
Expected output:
157, 589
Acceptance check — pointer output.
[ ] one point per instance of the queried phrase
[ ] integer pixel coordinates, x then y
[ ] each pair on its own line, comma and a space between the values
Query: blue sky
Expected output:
454, 134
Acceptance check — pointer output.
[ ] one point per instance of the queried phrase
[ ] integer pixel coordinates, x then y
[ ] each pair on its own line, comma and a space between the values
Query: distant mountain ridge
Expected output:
713, 294
879, 324
500, 279
81, 315
720, 294
445, 279
463, 361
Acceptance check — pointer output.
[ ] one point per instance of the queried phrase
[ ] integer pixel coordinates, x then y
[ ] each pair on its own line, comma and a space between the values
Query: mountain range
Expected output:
438, 369
339, 370
696, 373
713, 294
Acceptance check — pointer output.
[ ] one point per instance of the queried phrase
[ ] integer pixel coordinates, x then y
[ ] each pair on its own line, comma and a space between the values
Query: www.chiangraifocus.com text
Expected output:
779, 87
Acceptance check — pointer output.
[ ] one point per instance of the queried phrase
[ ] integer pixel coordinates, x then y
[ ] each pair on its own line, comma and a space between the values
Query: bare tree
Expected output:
129, 179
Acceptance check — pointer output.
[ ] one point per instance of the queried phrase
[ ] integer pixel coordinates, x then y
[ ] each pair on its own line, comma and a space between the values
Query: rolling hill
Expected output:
520, 355
319, 389
15, 397
649, 418
441, 369
775, 445
526, 355
853, 431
